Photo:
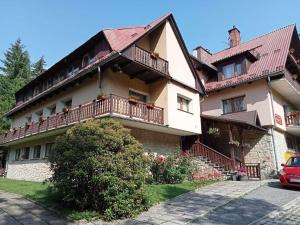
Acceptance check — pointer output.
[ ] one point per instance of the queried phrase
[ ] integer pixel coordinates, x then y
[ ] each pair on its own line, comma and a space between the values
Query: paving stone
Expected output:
17, 210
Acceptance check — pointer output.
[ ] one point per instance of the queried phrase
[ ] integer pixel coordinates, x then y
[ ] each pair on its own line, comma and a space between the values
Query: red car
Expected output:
290, 174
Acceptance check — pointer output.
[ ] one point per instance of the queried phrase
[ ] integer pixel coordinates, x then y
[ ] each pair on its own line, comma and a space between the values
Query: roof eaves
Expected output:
100, 62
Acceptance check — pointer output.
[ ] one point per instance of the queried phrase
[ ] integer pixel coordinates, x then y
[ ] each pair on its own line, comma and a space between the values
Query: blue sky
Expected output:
54, 28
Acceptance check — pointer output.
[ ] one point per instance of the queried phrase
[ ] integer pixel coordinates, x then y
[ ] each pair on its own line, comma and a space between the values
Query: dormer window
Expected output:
228, 71
233, 69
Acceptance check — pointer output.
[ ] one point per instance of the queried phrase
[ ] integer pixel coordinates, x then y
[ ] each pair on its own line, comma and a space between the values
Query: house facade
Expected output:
239, 106
253, 97
142, 76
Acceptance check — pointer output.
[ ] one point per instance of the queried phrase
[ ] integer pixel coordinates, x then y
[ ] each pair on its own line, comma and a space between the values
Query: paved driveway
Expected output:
15, 210
269, 204
223, 203
229, 203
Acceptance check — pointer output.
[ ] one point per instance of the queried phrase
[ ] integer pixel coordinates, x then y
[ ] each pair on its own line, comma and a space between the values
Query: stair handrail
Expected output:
227, 165
215, 151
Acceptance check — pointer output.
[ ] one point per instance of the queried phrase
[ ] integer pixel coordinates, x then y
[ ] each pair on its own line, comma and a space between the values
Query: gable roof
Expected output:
121, 38
272, 50
118, 39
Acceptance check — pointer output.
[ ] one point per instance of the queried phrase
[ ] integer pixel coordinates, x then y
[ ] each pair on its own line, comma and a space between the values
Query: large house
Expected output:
246, 97
142, 76
251, 111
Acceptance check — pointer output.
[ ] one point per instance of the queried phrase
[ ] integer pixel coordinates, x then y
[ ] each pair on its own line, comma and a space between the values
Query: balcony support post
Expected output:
110, 104
47, 123
79, 113
94, 108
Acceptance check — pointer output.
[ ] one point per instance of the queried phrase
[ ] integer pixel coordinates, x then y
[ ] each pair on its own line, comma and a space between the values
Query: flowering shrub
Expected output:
99, 166
170, 169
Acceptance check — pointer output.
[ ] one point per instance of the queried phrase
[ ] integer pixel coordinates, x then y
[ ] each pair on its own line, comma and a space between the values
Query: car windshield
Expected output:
293, 161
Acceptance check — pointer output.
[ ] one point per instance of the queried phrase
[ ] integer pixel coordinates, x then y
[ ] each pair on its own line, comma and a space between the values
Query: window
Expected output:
49, 147
39, 114
183, 104
238, 67
293, 161
17, 154
234, 69
68, 103
234, 105
26, 152
37, 152
52, 110
138, 96
228, 71
28, 119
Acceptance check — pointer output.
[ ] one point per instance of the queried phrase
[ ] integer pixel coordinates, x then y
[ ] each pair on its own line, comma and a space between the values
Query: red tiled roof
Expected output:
121, 38
272, 49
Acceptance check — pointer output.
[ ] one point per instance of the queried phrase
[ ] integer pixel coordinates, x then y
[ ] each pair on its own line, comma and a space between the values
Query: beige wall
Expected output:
178, 66
161, 93
83, 93
157, 142
279, 102
256, 98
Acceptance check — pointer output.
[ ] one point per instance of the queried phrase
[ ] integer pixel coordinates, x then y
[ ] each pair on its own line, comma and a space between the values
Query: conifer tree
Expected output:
38, 67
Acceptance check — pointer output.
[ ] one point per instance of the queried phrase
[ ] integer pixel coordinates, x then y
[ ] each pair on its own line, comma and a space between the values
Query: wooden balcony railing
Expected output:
293, 119
110, 105
147, 58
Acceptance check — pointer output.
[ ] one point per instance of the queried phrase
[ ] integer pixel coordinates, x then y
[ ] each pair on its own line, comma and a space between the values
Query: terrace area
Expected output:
111, 105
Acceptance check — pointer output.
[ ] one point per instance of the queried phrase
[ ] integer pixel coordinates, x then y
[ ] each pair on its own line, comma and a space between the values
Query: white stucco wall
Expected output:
189, 121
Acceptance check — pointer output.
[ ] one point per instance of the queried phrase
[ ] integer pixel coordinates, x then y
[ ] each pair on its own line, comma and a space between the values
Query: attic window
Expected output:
233, 69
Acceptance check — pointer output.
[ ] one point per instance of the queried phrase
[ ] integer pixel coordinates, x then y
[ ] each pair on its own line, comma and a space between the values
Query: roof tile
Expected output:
273, 50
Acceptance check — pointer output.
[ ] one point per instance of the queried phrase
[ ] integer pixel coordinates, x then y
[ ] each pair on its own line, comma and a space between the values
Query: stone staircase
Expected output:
214, 165
211, 163
210, 170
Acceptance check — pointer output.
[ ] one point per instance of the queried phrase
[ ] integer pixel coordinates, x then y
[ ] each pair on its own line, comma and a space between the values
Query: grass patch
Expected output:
162, 192
45, 194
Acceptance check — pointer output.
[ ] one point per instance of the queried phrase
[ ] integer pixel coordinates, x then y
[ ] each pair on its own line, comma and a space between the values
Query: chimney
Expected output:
202, 54
234, 37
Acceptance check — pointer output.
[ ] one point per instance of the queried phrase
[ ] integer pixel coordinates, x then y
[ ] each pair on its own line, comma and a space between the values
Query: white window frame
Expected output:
189, 106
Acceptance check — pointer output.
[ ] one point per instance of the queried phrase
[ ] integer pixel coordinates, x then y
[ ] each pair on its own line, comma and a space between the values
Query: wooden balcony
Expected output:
293, 119
111, 105
142, 64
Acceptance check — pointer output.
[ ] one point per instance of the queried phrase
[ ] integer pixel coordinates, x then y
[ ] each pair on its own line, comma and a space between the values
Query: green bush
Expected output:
171, 169
99, 166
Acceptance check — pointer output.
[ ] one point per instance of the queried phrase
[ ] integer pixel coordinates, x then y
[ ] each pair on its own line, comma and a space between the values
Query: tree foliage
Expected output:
38, 67
98, 165
15, 72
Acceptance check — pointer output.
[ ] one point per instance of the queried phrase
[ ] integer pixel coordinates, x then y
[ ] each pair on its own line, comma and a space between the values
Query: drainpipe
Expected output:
272, 129
99, 79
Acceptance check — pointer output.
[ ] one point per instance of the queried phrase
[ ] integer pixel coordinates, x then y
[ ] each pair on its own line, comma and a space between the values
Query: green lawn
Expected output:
43, 193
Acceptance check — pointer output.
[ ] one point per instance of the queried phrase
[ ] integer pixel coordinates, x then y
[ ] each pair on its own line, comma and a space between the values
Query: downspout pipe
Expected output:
272, 129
